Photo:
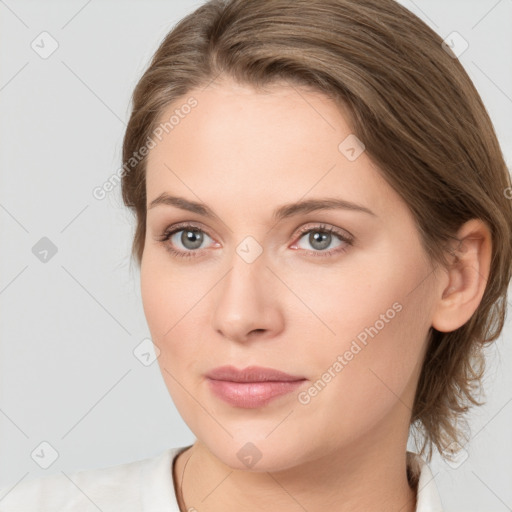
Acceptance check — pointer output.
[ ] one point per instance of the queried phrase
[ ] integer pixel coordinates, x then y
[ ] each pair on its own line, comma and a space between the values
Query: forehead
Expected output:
243, 145
229, 114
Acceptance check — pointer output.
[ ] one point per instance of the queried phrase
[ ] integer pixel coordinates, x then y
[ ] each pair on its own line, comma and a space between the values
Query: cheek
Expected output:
166, 301
165, 308
154, 298
372, 291
374, 322
169, 294
358, 384
176, 303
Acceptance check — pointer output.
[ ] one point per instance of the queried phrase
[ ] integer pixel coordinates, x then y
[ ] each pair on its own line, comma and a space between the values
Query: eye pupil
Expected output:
319, 240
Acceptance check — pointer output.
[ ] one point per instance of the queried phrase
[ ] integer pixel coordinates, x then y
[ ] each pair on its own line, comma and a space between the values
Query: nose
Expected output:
247, 302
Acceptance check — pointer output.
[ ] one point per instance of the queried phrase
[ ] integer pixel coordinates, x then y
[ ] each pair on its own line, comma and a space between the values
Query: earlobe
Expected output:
467, 277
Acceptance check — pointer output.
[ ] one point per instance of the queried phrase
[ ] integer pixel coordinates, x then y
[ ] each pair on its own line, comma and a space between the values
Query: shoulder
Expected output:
121, 487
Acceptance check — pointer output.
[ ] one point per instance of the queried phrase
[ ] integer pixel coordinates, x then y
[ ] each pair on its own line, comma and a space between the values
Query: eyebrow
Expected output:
284, 211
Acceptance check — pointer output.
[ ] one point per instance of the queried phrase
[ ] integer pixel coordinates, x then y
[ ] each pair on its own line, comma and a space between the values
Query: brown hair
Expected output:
413, 106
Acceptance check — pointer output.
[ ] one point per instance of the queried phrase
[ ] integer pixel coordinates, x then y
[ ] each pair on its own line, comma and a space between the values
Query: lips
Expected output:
251, 374
253, 387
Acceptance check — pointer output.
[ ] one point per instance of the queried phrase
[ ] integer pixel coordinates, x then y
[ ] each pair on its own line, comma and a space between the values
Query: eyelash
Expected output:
321, 228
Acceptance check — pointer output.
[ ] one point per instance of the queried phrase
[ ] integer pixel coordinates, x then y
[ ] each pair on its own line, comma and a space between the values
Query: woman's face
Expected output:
263, 284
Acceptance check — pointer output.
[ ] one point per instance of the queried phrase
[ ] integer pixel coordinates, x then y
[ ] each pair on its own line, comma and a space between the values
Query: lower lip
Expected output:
250, 395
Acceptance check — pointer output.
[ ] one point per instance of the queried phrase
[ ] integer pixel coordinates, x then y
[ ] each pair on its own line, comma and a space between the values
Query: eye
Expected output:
321, 237
188, 236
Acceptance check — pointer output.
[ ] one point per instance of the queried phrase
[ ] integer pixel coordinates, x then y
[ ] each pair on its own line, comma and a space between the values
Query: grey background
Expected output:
69, 326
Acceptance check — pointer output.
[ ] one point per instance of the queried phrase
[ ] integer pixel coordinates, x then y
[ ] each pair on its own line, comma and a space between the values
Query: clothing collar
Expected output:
427, 495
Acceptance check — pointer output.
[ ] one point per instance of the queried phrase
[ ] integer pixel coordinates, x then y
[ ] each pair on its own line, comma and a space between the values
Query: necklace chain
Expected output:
181, 483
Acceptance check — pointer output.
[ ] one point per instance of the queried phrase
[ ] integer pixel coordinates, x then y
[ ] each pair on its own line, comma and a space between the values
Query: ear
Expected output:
461, 293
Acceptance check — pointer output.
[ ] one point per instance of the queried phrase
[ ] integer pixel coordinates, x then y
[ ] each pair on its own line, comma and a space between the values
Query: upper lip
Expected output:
251, 374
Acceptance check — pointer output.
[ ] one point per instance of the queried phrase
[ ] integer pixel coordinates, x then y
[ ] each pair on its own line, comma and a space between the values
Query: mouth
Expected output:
251, 387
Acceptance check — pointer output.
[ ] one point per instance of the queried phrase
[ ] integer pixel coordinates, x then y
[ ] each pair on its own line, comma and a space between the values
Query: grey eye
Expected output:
191, 239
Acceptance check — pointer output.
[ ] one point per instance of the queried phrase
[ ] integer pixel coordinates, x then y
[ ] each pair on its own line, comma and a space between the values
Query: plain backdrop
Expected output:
73, 385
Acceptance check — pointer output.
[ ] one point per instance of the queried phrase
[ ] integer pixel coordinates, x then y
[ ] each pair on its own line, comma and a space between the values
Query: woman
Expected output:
325, 246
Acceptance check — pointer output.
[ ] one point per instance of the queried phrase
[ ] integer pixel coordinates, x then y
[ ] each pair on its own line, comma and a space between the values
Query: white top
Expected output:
141, 486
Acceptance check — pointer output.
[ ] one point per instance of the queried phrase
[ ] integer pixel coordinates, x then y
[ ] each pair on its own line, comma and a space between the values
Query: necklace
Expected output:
181, 484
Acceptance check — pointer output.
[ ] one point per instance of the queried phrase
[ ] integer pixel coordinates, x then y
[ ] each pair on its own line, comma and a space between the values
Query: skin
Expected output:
244, 153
